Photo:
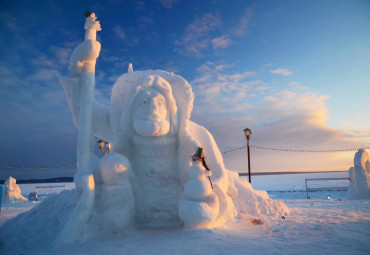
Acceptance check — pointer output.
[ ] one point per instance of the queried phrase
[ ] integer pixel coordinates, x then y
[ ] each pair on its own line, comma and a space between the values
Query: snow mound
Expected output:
250, 202
360, 176
12, 192
41, 225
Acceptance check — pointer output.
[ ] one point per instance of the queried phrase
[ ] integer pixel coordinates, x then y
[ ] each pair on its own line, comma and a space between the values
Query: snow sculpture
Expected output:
199, 206
12, 192
360, 176
149, 180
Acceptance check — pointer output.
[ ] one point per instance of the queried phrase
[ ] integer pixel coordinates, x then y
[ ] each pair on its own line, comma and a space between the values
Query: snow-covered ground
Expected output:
314, 226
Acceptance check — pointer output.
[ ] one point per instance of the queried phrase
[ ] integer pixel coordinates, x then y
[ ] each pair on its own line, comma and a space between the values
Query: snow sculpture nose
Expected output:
153, 109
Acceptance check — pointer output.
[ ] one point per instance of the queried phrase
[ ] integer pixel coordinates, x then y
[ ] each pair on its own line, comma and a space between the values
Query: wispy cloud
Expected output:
207, 32
289, 118
243, 27
9, 21
197, 35
221, 42
168, 3
119, 32
282, 71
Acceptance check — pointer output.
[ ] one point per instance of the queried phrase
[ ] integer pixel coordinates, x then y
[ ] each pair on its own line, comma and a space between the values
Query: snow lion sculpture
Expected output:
149, 180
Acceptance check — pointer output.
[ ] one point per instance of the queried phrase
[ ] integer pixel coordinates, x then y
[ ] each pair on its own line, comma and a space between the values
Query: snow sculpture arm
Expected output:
83, 74
101, 118
83, 60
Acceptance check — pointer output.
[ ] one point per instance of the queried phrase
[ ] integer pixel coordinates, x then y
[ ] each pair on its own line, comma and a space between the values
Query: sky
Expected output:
295, 72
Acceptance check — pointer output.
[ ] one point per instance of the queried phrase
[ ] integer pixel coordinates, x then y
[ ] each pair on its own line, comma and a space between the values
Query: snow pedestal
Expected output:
12, 192
360, 176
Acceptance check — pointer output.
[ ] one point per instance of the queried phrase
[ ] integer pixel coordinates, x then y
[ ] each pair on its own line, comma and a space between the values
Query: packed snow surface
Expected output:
314, 226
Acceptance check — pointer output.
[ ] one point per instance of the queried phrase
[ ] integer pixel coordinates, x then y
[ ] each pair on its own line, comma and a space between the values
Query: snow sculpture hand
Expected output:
199, 205
113, 169
83, 58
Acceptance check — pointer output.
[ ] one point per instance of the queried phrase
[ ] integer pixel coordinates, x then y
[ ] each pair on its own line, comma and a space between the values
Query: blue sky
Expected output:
295, 72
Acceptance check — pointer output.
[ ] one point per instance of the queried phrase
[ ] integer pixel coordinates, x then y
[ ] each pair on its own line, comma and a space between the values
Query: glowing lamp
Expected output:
101, 144
248, 134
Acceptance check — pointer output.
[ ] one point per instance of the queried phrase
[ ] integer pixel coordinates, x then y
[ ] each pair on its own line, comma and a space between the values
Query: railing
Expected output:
324, 188
49, 187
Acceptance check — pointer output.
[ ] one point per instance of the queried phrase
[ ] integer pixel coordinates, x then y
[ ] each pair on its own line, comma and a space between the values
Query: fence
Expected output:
324, 188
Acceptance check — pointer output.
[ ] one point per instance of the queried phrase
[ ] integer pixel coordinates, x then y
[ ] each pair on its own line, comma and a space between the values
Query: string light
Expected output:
37, 168
305, 150
296, 150
225, 152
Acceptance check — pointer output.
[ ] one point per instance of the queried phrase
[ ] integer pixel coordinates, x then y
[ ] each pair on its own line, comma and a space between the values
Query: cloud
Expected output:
282, 71
9, 21
197, 35
44, 74
119, 32
243, 27
62, 54
145, 19
168, 3
226, 103
221, 42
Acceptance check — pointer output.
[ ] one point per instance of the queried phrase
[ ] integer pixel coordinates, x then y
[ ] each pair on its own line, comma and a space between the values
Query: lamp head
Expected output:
248, 133
101, 144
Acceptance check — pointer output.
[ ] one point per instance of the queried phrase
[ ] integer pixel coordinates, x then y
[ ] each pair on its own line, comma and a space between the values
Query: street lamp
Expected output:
101, 144
248, 134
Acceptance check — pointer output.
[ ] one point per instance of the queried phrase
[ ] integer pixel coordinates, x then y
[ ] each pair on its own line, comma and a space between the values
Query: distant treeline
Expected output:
51, 180
70, 179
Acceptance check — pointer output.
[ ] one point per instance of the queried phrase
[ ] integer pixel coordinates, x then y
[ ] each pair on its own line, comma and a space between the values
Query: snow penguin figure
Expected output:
198, 197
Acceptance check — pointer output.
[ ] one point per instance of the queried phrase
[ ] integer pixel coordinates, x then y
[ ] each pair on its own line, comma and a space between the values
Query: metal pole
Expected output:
249, 164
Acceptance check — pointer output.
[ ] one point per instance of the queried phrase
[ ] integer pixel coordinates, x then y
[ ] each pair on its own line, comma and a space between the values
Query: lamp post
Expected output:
248, 134
101, 144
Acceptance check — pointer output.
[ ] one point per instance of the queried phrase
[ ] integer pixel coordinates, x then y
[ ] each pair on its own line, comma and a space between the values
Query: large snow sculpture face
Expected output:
150, 113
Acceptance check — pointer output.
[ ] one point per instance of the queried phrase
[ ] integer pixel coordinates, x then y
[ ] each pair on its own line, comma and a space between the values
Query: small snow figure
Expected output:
12, 192
359, 176
199, 206
199, 156
130, 69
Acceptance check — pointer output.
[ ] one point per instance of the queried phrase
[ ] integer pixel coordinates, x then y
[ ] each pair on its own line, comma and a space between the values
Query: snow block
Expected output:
359, 185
